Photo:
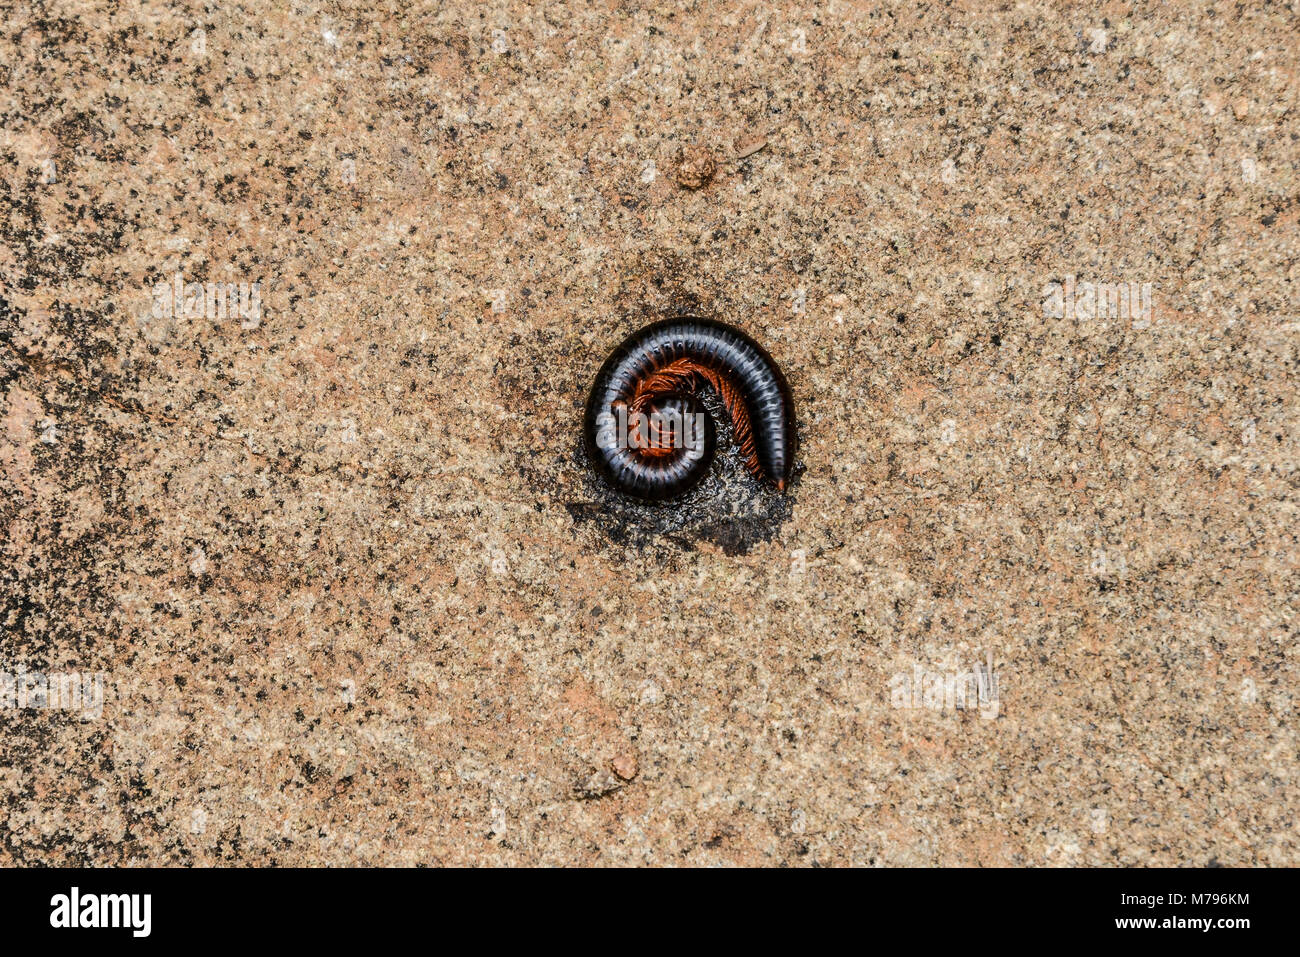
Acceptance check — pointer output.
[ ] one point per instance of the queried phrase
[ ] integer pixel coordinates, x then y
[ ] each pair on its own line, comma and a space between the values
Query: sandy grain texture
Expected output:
357, 597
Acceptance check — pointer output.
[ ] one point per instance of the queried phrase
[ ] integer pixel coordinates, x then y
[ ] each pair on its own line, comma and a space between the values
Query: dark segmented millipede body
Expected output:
648, 433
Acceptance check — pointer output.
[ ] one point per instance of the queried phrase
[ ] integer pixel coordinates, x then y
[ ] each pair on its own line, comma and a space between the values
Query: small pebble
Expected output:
625, 766
694, 167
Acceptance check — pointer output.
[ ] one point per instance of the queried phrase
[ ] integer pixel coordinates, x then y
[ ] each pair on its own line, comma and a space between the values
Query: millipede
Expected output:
649, 433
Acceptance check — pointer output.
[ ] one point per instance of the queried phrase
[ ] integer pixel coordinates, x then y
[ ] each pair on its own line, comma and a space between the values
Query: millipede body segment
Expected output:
646, 429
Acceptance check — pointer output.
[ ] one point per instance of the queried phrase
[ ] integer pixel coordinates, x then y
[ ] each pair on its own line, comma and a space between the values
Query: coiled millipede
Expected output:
647, 430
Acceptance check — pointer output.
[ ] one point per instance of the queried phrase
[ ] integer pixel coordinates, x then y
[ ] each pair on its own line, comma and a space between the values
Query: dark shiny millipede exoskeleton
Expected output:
648, 433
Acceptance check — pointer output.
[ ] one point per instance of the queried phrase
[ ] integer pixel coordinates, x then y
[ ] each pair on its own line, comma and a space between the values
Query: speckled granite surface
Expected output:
356, 597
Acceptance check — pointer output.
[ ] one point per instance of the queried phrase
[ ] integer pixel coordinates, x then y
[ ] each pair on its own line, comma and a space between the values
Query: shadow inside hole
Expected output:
729, 507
